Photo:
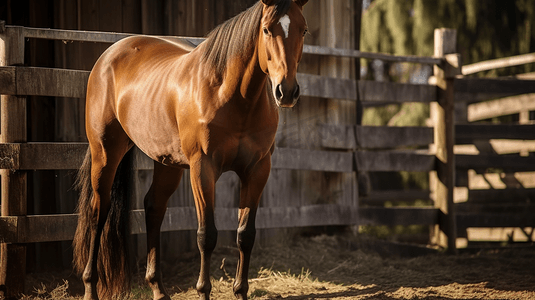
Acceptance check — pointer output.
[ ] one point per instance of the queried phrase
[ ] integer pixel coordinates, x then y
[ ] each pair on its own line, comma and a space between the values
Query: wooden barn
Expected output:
323, 152
61, 119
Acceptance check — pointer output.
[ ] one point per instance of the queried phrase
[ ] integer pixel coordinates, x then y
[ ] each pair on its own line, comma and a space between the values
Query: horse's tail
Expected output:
113, 261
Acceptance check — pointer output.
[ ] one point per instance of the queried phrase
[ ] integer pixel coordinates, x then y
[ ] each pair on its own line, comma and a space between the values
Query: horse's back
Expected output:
180, 42
131, 85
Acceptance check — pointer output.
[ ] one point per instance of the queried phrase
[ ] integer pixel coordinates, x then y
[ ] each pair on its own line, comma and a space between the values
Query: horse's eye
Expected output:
305, 32
266, 31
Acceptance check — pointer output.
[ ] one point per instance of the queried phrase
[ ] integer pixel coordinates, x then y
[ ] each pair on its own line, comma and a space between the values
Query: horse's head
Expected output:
282, 33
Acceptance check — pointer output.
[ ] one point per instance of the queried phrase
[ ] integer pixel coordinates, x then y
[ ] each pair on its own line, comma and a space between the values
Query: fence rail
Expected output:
499, 63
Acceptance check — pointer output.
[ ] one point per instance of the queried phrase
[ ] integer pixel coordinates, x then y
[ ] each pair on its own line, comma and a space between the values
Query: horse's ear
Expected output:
301, 2
270, 2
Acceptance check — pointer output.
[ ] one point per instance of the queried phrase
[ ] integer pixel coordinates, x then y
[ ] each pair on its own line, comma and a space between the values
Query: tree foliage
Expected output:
485, 29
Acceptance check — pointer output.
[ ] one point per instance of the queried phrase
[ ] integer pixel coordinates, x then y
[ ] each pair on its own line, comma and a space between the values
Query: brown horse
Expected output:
206, 109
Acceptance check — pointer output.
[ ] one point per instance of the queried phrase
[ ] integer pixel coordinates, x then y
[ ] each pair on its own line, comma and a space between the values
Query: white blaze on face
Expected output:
285, 23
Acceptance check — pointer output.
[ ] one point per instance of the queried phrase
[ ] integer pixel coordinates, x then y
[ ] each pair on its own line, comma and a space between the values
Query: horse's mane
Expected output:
237, 36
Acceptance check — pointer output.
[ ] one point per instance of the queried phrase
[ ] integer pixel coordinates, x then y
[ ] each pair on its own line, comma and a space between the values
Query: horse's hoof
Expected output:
204, 297
240, 296
162, 297
90, 297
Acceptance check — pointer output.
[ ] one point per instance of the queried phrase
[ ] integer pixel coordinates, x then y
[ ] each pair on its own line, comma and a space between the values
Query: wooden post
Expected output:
363, 177
445, 234
14, 186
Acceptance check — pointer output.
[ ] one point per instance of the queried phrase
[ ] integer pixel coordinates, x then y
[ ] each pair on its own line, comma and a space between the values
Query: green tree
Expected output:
485, 29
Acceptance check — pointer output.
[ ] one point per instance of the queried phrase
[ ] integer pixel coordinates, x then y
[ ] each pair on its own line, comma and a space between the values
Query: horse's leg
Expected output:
105, 158
164, 182
253, 183
203, 178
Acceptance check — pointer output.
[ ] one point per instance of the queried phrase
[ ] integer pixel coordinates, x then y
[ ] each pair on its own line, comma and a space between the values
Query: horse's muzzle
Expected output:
286, 97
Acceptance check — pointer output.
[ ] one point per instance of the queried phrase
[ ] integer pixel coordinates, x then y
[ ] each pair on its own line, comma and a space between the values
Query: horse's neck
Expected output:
253, 82
241, 81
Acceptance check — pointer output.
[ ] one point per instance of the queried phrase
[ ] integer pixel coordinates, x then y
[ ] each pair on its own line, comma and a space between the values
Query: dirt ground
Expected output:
336, 267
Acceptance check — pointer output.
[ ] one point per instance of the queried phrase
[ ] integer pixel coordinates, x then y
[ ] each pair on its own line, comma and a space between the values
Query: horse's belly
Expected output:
160, 143
166, 154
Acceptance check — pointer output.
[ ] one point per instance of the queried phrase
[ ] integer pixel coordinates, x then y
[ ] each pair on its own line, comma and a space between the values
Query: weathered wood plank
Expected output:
52, 156
374, 137
32, 229
380, 197
86, 36
8, 84
499, 63
469, 97
327, 87
381, 137
500, 107
398, 216
506, 162
51, 82
38, 228
374, 91
9, 229
68, 156
309, 215
74, 35
491, 85
48, 228
112, 37
10, 156
184, 218
466, 220
501, 195
338, 136
320, 50
469, 132
496, 207
42, 156
382, 161
300, 159
35, 81
32, 81
287, 158
370, 91
480, 89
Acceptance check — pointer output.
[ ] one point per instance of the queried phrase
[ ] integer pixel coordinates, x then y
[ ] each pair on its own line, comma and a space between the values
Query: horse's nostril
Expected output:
278, 92
297, 92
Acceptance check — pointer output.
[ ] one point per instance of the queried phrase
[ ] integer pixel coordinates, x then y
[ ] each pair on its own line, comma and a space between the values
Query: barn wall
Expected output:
330, 24
62, 119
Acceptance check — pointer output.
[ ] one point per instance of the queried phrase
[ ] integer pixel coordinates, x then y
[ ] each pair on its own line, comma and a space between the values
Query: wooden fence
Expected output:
345, 149
495, 164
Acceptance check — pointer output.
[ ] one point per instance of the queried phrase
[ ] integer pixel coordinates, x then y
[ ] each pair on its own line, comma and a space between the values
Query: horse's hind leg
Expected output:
106, 154
164, 183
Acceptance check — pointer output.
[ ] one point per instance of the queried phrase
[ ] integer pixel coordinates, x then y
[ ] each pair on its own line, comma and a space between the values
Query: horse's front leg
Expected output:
203, 178
164, 182
253, 182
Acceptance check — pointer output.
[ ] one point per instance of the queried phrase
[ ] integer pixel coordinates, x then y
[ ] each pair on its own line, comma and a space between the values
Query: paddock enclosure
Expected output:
479, 173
